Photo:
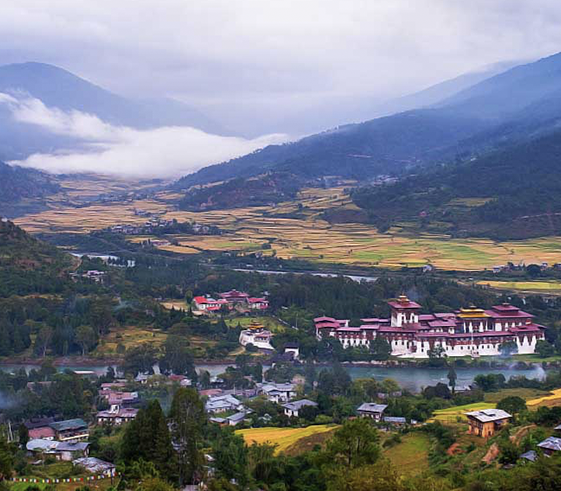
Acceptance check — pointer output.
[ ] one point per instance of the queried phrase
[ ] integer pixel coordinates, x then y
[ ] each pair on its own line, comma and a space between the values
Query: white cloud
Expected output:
275, 58
167, 152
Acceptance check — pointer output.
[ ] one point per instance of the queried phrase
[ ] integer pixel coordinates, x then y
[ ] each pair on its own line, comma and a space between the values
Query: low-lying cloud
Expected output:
166, 152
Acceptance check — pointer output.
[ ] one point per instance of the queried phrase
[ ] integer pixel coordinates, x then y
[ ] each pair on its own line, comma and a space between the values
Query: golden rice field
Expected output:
543, 287
283, 438
307, 236
554, 399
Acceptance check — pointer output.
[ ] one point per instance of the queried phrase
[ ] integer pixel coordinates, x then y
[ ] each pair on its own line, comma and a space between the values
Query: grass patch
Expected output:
526, 394
411, 455
284, 438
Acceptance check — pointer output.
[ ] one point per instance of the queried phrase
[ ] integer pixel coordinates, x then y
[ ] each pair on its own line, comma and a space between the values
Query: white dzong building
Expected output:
466, 332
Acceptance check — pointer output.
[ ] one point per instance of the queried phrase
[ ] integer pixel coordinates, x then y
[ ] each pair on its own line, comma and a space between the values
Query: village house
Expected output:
466, 332
371, 410
207, 304
70, 430
550, 445
42, 433
260, 303
292, 409
234, 296
222, 404
96, 466
116, 415
66, 451
394, 420
292, 349
487, 422
120, 398
277, 392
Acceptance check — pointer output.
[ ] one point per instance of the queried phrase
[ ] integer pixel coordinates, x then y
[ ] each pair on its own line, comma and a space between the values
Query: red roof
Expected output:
320, 319
404, 305
200, 300
257, 300
43, 432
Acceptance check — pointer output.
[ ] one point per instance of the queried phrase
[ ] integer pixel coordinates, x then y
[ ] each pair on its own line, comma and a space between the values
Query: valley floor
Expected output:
296, 230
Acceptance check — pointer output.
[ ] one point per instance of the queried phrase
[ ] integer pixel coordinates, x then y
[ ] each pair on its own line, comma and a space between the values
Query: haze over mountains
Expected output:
522, 102
58, 88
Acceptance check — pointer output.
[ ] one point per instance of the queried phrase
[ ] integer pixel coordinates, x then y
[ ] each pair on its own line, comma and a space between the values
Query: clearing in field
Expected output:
283, 438
411, 455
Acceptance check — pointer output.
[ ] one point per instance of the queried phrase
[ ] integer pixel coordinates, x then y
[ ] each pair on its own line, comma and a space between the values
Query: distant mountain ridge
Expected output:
56, 87
528, 105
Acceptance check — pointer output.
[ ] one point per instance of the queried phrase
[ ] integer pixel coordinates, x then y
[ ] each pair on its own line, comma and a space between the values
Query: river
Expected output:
411, 378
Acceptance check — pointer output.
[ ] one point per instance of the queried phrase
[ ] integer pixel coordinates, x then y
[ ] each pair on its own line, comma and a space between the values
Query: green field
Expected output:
411, 455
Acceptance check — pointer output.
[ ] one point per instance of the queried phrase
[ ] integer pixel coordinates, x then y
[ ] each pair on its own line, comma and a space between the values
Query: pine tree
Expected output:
187, 417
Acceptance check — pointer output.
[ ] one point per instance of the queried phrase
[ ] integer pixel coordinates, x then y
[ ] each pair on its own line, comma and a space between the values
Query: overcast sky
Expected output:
261, 63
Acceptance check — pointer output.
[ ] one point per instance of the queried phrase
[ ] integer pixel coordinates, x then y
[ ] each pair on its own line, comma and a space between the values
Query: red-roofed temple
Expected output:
467, 332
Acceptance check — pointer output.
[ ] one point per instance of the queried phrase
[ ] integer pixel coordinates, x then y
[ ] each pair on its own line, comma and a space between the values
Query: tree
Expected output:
178, 357
43, 340
544, 349
437, 356
187, 416
380, 349
509, 348
512, 404
23, 435
510, 453
6, 458
353, 445
379, 477
147, 437
86, 338
140, 359
231, 457
452, 377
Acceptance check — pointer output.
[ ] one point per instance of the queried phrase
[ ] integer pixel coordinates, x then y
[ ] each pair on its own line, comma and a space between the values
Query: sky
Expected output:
263, 67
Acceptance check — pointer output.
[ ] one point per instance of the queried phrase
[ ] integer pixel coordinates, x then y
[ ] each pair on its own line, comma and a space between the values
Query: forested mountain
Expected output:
17, 183
61, 89
520, 104
263, 190
353, 151
511, 193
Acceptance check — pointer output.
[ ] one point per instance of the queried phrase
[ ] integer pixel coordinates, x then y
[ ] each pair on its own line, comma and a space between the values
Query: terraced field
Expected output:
296, 230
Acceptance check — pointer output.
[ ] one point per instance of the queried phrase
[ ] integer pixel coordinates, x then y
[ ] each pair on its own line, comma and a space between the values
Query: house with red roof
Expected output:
208, 304
258, 303
466, 332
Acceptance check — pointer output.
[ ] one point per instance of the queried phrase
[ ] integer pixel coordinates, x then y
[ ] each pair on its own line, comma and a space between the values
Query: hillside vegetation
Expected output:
518, 190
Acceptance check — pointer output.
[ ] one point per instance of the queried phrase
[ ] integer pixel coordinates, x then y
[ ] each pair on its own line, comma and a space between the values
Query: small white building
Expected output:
258, 336
277, 392
96, 466
292, 409
373, 411
221, 404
